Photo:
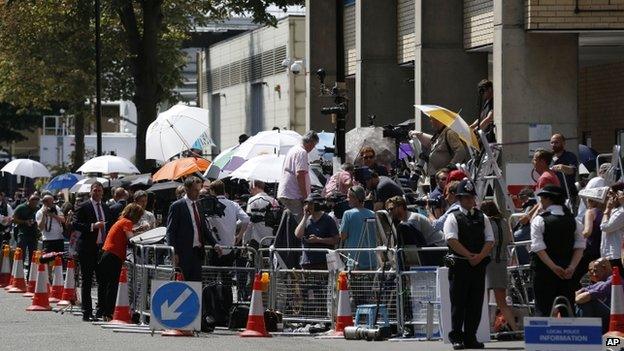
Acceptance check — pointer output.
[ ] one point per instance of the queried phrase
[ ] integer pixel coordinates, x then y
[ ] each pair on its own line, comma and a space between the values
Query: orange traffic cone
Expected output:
255, 320
616, 323
18, 283
69, 288
32, 274
5, 272
175, 332
40, 300
343, 316
9, 285
122, 305
56, 293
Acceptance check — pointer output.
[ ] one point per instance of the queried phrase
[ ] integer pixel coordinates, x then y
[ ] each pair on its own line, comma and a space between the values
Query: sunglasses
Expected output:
368, 157
389, 209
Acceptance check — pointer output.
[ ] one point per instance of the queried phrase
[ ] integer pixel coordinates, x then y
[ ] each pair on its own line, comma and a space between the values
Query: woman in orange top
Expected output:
115, 254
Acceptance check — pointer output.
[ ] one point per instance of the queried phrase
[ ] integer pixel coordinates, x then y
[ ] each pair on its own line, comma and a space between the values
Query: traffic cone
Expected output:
343, 316
175, 332
616, 323
122, 305
69, 288
18, 283
9, 285
56, 292
5, 272
40, 300
255, 320
32, 274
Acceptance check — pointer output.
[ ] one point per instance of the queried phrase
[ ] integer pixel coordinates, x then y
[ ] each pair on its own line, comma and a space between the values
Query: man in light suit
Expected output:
187, 231
92, 219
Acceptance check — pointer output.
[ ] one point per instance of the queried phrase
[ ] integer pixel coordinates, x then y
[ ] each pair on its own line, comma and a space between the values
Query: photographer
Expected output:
412, 228
451, 199
445, 145
316, 230
24, 218
381, 189
437, 194
258, 204
224, 227
485, 122
6, 217
367, 154
50, 222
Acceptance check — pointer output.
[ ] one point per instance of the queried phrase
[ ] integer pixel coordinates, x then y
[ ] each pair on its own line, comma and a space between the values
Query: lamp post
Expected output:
98, 82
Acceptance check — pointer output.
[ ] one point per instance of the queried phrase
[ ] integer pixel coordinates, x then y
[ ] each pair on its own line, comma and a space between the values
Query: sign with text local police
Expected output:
562, 334
175, 305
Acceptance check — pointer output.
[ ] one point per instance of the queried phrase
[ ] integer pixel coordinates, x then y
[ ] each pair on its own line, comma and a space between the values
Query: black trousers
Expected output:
226, 277
28, 244
467, 287
192, 268
110, 268
547, 286
53, 245
88, 266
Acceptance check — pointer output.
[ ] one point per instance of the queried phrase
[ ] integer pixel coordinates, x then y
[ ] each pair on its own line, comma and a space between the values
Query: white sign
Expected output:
483, 333
539, 132
176, 305
562, 334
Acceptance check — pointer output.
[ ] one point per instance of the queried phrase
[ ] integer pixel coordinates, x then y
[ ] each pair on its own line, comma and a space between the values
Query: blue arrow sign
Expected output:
175, 305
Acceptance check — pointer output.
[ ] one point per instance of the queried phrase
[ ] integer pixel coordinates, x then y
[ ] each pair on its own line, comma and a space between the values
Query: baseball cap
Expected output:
359, 192
465, 188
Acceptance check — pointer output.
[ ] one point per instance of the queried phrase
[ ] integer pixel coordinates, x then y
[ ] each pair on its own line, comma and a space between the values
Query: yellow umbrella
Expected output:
453, 121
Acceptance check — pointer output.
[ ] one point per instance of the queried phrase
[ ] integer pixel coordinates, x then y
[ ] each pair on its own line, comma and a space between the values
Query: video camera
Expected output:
400, 132
210, 206
336, 202
271, 216
424, 202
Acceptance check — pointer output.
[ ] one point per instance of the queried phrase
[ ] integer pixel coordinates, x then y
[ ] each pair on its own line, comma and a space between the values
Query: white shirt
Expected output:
4, 219
538, 226
595, 182
189, 204
147, 218
56, 229
612, 230
224, 228
258, 231
100, 237
296, 161
451, 229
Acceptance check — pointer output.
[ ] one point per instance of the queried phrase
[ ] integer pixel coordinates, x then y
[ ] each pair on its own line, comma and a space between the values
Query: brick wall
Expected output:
559, 14
601, 112
478, 23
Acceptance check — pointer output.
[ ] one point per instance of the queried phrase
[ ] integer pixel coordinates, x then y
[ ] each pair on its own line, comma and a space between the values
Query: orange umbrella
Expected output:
180, 168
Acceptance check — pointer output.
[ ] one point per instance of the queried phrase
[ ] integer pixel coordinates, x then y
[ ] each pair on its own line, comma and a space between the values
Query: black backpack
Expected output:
213, 311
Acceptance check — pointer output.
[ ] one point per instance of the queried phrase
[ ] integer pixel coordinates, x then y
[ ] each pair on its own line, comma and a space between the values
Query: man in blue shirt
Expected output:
352, 229
449, 195
317, 230
564, 163
595, 300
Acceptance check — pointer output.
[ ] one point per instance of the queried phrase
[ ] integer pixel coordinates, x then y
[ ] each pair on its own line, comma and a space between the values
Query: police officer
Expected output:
557, 246
469, 235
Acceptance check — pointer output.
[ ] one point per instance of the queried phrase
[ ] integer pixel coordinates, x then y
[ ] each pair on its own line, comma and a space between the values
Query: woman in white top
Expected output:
612, 227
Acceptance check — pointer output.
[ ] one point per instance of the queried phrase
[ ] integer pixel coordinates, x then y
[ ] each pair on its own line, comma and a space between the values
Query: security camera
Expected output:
296, 67
320, 74
286, 63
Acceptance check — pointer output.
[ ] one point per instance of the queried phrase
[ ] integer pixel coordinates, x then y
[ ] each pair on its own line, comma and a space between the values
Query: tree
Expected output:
47, 52
14, 121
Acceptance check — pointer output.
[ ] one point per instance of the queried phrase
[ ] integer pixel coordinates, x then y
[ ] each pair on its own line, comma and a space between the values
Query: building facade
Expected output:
556, 65
247, 86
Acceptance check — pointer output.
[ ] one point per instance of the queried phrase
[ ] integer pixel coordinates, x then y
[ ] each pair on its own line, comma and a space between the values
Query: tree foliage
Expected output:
47, 49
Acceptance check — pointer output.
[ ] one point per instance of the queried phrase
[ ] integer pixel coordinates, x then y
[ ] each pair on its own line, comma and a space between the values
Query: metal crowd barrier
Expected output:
147, 262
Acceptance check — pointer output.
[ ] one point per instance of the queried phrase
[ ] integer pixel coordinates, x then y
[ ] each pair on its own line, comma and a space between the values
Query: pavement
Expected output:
23, 330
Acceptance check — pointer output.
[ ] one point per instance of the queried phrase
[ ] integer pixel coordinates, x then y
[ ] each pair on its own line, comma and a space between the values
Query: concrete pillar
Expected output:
535, 81
320, 53
382, 87
444, 73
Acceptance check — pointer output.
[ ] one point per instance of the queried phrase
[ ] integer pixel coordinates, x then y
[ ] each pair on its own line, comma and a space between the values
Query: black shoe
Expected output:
458, 346
88, 318
474, 345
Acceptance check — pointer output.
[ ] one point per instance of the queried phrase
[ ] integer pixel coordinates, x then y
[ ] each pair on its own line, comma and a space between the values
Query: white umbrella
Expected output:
174, 131
268, 142
84, 185
26, 168
108, 164
266, 168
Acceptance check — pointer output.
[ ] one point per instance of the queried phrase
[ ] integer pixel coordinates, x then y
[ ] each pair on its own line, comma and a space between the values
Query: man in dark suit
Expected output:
92, 220
120, 201
187, 231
